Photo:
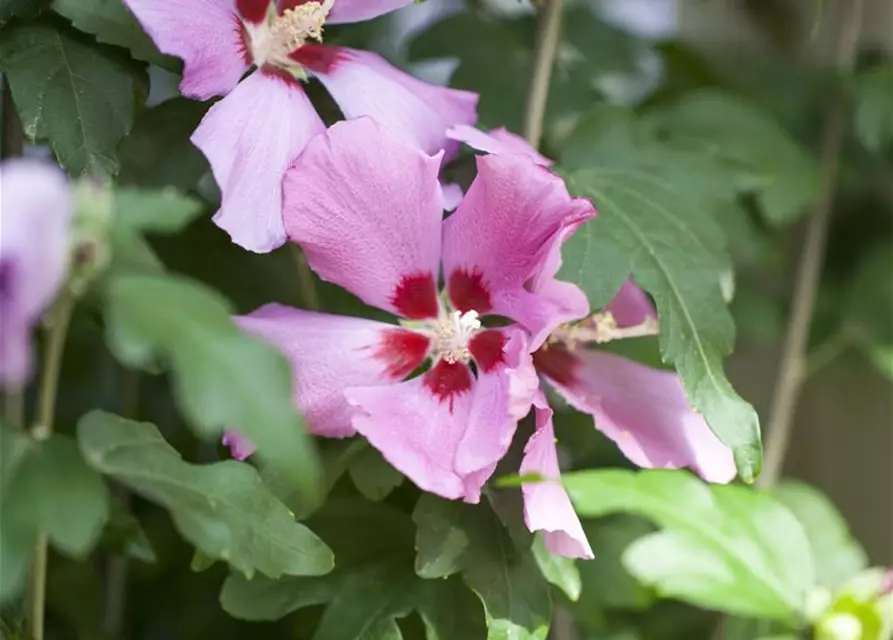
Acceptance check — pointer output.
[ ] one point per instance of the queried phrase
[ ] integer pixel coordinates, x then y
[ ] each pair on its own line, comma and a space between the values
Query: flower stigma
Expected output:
452, 333
280, 35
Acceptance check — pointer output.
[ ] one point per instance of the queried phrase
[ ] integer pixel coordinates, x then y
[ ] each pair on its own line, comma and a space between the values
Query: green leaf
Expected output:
733, 132
606, 582
373, 476
20, 8
124, 535
440, 543
722, 547
158, 153
223, 377
75, 96
224, 509
372, 585
661, 233
836, 555
153, 210
508, 580
874, 106
113, 23
558, 570
47, 488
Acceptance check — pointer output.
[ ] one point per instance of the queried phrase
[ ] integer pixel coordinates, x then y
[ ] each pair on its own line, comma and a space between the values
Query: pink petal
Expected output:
445, 430
364, 84
359, 10
366, 207
644, 410
329, 353
512, 217
452, 196
631, 305
547, 507
35, 228
498, 141
240, 447
206, 34
250, 138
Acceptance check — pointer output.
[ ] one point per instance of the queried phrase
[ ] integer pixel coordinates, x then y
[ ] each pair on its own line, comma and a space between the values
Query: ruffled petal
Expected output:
330, 353
547, 507
505, 229
35, 219
250, 138
445, 430
206, 34
631, 306
364, 84
497, 141
366, 206
644, 410
452, 196
344, 11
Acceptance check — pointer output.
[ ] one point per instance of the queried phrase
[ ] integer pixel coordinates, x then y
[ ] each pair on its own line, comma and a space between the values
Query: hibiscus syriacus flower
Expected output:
367, 209
253, 134
35, 217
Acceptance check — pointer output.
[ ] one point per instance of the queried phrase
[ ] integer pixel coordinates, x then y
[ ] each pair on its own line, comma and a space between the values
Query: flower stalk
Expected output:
549, 32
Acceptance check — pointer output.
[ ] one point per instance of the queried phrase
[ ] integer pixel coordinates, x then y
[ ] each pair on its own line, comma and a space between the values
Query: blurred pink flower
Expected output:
367, 209
264, 122
35, 217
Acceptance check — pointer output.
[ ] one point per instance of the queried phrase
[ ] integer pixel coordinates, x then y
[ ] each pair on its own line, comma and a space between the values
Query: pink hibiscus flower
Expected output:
253, 135
367, 209
35, 217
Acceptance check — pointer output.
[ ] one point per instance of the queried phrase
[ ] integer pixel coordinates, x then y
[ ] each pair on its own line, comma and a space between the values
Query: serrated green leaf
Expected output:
558, 570
223, 377
111, 22
837, 556
373, 476
124, 535
450, 610
153, 210
158, 152
722, 546
74, 96
731, 131
662, 235
223, 509
874, 106
20, 8
440, 541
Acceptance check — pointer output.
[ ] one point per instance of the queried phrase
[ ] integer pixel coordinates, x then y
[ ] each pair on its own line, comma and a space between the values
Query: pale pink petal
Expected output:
547, 507
364, 84
240, 447
35, 228
331, 353
250, 138
452, 196
366, 206
631, 305
360, 10
497, 241
498, 141
206, 34
644, 410
505, 388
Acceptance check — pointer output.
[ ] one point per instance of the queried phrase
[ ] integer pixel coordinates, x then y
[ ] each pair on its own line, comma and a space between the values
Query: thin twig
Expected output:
42, 429
309, 295
548, 36
792, 371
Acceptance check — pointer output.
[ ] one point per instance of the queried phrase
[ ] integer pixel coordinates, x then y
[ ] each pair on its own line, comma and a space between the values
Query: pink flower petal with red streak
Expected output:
496, 242
330, 353
205, 34
366, 206
250, 138
644, 410
364, 84
547, 507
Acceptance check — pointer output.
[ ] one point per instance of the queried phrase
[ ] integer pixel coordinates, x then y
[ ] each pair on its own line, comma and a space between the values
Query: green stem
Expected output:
42, 429
14, 408
549, 30
309, 296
